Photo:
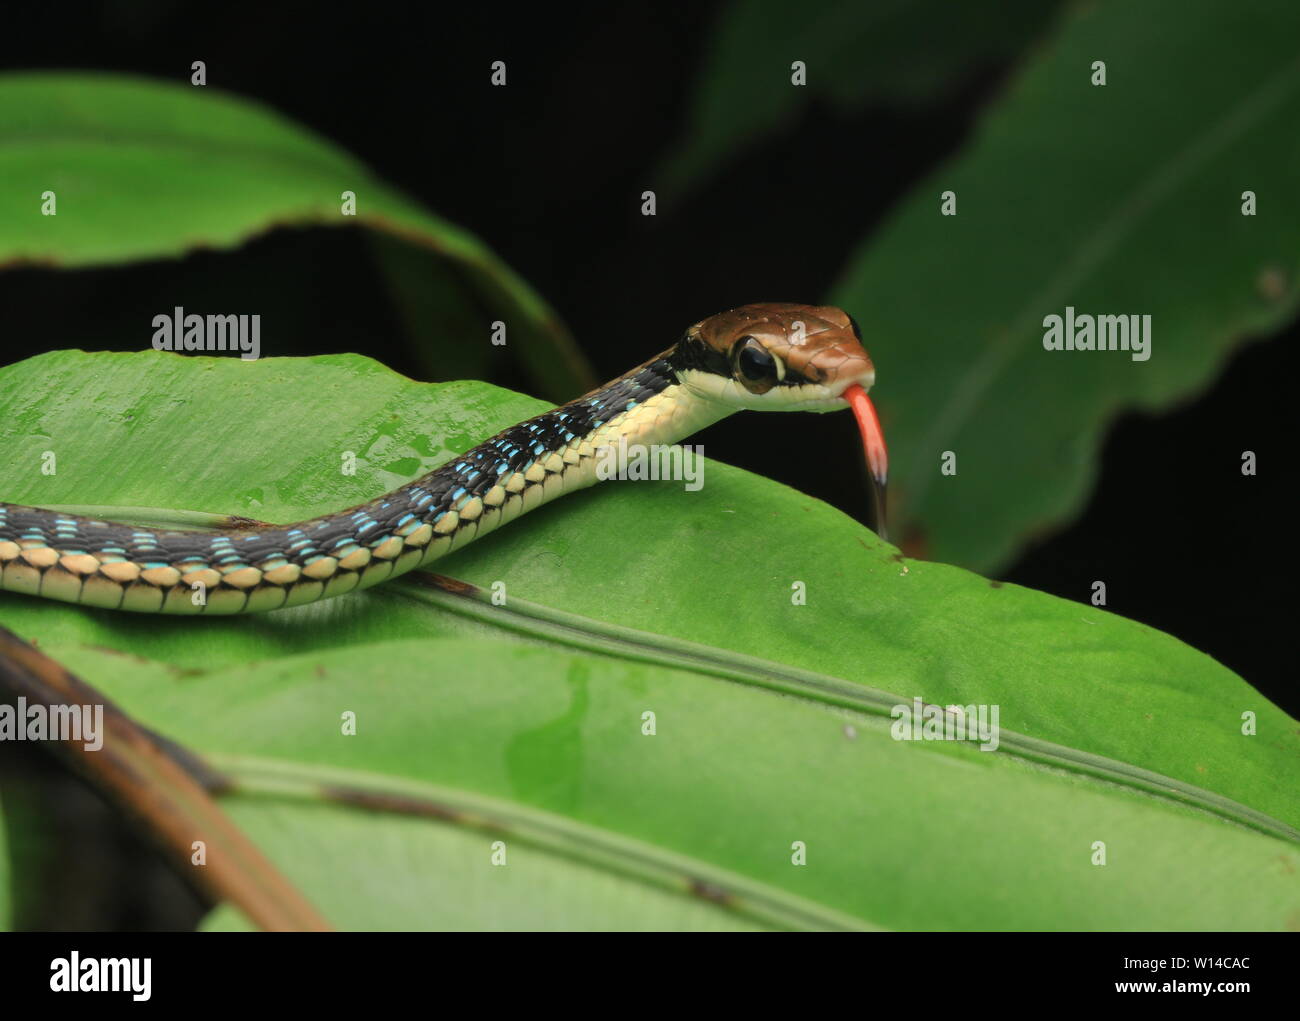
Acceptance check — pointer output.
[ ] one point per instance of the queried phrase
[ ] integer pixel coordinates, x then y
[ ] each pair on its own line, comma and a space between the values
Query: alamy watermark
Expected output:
180, 332
1098, 333
636, 462
77, 974
921, 722
40, 722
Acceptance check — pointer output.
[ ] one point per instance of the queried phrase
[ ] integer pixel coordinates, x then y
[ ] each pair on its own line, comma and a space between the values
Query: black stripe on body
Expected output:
424, 500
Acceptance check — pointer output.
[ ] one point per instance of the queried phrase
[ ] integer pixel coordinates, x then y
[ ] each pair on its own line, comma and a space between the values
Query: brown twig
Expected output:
167, 789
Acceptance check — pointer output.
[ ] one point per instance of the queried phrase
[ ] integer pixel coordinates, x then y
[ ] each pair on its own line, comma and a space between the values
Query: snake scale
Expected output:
773, 356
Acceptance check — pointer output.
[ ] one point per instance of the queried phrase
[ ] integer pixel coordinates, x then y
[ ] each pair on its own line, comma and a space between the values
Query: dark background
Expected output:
549, 173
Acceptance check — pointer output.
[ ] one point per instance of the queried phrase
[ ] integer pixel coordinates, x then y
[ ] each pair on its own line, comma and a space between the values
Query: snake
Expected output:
774, 356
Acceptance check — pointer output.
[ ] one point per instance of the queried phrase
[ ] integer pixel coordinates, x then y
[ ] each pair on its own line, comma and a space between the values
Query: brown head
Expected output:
775, 356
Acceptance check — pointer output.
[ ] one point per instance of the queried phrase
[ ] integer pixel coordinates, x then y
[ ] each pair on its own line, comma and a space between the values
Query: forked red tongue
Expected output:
873, 443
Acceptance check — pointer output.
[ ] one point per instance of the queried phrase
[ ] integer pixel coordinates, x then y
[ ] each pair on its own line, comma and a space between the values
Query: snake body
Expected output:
779, 356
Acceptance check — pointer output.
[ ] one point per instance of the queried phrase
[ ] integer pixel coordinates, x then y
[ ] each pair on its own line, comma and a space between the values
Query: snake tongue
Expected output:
873, 443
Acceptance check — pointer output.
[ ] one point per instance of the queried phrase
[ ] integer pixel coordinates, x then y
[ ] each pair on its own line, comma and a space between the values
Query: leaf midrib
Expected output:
601, 638
591, 845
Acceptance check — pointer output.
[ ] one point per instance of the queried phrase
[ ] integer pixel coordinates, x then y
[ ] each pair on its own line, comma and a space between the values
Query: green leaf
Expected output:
146, 169
463, 743
526, 717
1114, 200
148, 782
856, 53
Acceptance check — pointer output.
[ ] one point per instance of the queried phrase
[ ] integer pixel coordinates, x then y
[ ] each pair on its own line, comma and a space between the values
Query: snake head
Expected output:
775, 356
784, 357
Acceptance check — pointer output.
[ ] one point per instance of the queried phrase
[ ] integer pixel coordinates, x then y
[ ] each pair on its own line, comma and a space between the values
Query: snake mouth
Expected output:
780, 356
835, 365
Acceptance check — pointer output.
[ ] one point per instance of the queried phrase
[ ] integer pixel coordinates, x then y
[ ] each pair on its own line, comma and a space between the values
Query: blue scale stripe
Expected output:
425, 501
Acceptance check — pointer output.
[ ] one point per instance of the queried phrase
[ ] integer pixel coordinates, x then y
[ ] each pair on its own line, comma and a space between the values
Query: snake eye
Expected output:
757, 369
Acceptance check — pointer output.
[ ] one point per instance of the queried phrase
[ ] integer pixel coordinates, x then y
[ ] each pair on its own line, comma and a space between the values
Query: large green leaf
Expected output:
1112, 731
147, 169
856, 53
1117, 199
461, 743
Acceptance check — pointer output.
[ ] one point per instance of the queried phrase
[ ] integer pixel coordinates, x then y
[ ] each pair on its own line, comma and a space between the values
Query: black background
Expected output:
549, 172
350, 973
